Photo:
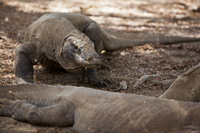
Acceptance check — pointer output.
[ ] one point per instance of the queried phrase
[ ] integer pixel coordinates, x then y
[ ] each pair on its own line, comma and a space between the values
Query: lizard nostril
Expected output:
89, 58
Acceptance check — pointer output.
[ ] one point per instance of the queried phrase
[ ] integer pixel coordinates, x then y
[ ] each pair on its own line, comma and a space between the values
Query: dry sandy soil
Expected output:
169, 17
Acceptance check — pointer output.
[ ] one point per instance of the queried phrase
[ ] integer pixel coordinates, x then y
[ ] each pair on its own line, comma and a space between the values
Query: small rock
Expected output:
181, 17
123, 85
194, 8
123, 53
19, 34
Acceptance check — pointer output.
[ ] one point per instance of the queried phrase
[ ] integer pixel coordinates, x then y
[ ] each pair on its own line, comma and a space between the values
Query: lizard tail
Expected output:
115, 41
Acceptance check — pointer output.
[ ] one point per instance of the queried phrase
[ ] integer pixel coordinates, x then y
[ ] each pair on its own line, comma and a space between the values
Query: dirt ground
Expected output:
167, 17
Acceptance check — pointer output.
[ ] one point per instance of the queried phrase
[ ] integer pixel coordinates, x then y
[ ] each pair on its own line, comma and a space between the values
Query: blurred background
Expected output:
126, 15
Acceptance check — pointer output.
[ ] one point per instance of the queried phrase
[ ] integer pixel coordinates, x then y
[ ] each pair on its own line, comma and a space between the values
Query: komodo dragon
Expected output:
95, 111
74, 42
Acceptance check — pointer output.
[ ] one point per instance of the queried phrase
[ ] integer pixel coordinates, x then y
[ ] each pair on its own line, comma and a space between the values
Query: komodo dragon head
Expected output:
81, 50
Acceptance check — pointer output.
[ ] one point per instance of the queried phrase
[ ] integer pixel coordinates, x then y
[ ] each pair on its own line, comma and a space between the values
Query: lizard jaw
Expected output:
95, 63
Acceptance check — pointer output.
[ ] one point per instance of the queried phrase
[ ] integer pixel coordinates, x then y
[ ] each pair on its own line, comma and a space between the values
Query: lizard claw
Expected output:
85, 80
108, 81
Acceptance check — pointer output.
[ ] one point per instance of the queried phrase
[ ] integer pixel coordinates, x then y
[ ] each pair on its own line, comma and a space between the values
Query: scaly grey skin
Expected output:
55, 43
74, 42
95, 111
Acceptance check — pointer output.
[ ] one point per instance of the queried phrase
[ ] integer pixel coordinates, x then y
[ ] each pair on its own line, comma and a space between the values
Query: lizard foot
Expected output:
90, 76
96, 81
6, 107
22, 81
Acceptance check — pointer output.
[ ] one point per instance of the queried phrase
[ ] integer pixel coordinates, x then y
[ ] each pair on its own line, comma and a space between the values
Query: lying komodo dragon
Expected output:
95, 111
74, 42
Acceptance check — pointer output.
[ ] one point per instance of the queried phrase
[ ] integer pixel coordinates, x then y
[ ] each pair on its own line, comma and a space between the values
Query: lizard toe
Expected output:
85, 80
93, 82
105, 84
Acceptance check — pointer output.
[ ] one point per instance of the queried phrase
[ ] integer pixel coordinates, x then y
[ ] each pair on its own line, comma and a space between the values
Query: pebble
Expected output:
123, 85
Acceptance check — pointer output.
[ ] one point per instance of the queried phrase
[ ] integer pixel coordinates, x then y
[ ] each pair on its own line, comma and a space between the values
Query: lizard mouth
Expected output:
93, 63
92, 66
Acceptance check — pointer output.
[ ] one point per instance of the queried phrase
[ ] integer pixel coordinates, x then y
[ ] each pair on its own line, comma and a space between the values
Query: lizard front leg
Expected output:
23, 65
58, 114
90, 75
